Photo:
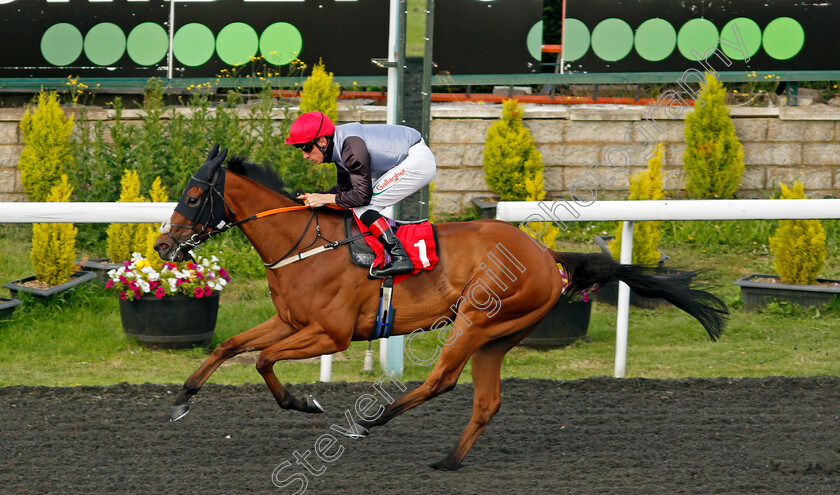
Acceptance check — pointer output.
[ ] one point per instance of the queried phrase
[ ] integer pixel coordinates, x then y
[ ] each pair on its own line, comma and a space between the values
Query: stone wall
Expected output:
780, 145
11, 144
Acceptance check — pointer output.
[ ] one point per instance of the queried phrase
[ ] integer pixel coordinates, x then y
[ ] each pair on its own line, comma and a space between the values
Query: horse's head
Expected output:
201, 210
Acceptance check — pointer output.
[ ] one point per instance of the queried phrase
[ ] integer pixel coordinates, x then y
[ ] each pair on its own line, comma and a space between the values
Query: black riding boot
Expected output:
379, 227
400, 262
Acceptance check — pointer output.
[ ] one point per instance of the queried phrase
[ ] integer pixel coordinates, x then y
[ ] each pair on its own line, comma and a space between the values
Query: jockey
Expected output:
378, 165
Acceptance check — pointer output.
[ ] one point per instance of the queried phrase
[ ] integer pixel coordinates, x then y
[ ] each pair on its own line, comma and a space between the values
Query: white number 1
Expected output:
421, 246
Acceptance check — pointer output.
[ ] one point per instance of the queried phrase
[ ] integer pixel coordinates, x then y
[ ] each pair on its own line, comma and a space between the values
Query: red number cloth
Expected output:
414, 237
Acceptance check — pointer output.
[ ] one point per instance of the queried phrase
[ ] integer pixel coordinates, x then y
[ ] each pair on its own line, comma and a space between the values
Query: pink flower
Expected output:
160, 292
109, 284
122, 295
199, 275
224, 274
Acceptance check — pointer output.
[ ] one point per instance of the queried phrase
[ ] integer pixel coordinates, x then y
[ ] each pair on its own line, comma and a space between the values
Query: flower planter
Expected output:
567, 322
7, 307
756, 293
172, 322
79, 278
100, 266
486, 207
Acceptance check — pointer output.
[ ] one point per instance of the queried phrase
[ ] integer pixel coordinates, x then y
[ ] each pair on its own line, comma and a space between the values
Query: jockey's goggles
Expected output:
306, 147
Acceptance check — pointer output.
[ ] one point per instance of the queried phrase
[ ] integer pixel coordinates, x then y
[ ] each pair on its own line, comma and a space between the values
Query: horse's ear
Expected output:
216, 162
213, 153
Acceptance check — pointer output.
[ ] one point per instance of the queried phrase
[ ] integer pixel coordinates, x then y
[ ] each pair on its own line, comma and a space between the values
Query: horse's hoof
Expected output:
313, 406
179, 412
357, 432
444, 465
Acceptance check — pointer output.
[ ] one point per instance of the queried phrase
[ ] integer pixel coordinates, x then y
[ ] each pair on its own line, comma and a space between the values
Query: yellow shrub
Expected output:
157, 194
46, 147
54, 244
714, 158
798, 245
534, 190
320, 93
127, 238
646, 185
510, 156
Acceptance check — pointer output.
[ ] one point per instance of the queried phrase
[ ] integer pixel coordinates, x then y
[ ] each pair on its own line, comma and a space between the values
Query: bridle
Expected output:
199, 236
229, 221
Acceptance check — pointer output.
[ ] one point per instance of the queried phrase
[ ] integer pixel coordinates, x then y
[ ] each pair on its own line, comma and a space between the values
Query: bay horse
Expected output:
492, 285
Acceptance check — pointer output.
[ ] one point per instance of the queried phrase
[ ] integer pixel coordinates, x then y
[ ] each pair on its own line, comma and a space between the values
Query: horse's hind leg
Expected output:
256, 339
443, 378
486, 373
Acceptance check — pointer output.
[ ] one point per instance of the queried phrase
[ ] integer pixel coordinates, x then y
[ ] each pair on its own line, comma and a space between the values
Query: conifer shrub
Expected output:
127, 238
547, 231
513, 167
714, 158
54, 244
798, 245
320, 93
157, 194
510, 156
47, 153
646, 185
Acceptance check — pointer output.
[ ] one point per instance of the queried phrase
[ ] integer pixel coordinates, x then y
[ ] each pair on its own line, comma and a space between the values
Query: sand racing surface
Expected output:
766, 435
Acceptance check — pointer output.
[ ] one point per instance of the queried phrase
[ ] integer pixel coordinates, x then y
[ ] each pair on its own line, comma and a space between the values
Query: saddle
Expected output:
362, 254
420, 242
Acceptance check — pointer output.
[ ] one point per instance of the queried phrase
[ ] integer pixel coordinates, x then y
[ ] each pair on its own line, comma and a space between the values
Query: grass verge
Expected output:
77, 339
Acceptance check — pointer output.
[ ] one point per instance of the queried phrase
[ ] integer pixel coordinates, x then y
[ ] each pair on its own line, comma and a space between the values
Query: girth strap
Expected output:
313, 252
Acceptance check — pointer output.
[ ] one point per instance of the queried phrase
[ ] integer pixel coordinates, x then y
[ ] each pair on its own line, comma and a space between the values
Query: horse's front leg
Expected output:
256, 339
310, 341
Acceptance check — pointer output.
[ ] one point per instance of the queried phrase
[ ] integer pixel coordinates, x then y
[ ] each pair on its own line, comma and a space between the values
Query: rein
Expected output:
205, 234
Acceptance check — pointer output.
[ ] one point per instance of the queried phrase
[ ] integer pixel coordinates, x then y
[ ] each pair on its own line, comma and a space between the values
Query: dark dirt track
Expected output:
773, 435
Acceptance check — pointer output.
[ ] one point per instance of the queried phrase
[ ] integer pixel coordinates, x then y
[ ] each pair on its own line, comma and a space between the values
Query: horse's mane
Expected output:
261, 174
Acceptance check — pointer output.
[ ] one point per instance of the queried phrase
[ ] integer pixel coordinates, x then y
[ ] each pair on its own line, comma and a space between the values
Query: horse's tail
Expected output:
586, 270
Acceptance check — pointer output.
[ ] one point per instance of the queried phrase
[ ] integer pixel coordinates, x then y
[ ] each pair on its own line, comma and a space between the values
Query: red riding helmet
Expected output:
309, 127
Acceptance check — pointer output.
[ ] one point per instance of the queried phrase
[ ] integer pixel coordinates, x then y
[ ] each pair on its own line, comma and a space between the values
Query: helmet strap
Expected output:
323, 149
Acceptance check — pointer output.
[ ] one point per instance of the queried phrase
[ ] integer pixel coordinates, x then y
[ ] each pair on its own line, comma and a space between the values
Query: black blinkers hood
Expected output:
210, 178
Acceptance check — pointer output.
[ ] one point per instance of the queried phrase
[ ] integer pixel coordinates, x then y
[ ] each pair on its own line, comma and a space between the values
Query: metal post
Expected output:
326, 367
562, 39
623, 316
391, 349
427, 69
394, 69
171, 62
